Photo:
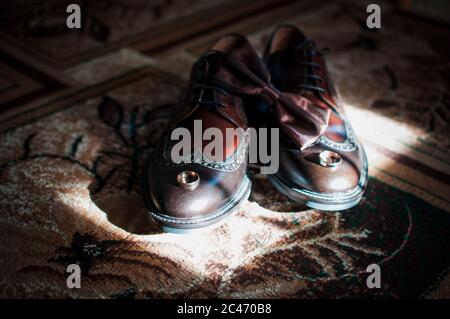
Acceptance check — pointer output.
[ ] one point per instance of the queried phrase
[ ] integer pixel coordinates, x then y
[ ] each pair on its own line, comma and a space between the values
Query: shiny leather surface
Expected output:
298, 67
217, 108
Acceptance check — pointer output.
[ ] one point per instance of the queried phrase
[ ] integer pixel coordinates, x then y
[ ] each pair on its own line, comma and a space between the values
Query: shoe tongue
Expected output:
204, 69
288, 69
218, 99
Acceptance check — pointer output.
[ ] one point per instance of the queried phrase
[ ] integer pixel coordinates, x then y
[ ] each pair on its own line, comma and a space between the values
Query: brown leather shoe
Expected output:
200, 191
331, 172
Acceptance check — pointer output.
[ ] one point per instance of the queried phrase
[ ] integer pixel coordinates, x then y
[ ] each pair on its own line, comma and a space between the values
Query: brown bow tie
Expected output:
242, 71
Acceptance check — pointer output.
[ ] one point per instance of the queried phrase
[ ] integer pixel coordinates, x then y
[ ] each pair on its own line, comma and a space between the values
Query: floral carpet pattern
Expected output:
73, 155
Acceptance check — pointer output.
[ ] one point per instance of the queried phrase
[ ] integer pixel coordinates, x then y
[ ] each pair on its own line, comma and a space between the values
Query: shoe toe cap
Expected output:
307, 171
214, 190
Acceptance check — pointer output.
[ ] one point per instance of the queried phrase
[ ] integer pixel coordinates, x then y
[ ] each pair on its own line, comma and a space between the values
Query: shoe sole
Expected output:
326, 202
176, 225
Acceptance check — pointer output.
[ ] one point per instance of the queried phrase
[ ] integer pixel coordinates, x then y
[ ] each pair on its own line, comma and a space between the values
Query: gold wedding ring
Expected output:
188, 179
329, 159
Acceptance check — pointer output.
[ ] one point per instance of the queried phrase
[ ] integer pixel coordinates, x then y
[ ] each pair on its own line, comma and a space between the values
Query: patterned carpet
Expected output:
81, 112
